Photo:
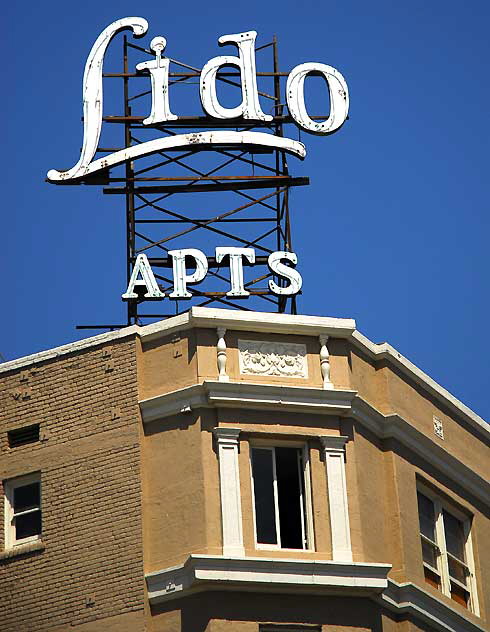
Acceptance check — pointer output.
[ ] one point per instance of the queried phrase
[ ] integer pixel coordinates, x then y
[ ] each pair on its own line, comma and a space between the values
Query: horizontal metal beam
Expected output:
192, 220
206, 121
222, 186
162, 262
139, 75
215, 178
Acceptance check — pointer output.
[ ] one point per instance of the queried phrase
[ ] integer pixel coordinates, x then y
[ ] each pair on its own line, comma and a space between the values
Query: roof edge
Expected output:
266, 322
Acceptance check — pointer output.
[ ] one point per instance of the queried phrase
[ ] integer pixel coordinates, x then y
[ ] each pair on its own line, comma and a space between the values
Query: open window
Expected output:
280, 482
446, 548
22, 510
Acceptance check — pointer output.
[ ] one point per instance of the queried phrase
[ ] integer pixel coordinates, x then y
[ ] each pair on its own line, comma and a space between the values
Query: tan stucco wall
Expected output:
174, 518
244, 612
167, 364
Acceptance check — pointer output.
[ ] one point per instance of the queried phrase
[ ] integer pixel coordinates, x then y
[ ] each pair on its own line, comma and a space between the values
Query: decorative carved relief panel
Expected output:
285, 359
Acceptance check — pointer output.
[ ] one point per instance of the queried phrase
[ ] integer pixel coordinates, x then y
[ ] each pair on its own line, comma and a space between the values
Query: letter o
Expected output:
339, 98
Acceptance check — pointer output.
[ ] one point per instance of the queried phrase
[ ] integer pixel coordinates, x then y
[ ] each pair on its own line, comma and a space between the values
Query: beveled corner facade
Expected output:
251, 472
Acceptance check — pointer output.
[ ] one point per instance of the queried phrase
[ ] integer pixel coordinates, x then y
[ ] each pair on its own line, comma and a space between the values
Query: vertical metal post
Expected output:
283, 225
130, 236
278, 131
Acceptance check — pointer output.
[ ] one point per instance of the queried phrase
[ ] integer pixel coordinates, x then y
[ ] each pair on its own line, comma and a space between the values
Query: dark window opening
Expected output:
26, 505
23, 436
278, 482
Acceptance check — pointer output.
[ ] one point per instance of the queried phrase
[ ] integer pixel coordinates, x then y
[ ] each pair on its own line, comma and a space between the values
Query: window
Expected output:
281, 505
446, 549
22, 510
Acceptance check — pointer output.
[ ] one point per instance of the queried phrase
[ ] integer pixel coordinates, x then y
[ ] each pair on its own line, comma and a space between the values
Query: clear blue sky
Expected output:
393, 230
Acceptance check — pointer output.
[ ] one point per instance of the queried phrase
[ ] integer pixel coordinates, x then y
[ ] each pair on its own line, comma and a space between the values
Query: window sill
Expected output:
271, 549
22, 549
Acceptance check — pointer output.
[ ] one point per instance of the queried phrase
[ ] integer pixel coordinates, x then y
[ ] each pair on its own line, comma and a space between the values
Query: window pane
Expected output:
28, 525
432, 578
427, 519
429, 554
26, 497
457, 571
265, 516
290, 495
459, 595
453, 529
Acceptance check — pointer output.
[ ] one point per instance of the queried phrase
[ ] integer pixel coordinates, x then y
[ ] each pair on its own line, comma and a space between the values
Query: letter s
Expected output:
280, 269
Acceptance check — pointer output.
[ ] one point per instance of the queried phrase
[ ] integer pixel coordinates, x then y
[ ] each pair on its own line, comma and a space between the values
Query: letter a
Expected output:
142, 266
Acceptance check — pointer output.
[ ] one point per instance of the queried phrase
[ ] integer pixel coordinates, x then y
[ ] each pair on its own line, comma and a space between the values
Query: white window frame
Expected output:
442, 570
306, 503
9, 486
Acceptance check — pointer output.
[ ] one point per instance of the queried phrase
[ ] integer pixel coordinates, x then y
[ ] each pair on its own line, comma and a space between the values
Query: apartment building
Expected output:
236, 471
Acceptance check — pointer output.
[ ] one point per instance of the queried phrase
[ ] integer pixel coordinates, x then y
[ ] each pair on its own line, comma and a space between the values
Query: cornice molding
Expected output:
392, 426
385, 351
316, 577
72, 347
409, 598
227, 436
208, 572
266, 322
248, 395
333, 443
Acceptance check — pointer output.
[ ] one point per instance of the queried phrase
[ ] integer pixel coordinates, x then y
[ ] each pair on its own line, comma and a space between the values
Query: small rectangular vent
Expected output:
24, 435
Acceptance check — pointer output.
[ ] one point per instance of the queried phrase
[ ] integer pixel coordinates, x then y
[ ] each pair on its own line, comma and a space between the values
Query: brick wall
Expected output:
91, 566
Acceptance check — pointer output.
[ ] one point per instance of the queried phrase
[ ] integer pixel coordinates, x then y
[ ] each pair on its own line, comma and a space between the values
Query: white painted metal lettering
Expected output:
236, 267
339, 98
142, 267
249, 108
229, 478
201, 139
92, 96
281, 269
181, 278
158, 69
334, 454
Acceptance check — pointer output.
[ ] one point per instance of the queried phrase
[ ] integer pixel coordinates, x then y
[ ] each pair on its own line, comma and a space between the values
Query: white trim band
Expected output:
409, 598
247, 395
262, 574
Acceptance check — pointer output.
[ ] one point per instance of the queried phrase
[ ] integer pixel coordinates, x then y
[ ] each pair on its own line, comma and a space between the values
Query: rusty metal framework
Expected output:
244, 192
